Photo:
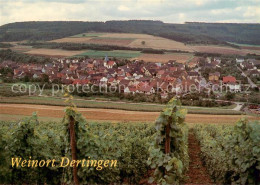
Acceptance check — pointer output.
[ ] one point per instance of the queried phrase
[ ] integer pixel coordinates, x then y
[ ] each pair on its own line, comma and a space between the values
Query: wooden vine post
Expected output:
168, 138
73, 148
167, 132
70, 112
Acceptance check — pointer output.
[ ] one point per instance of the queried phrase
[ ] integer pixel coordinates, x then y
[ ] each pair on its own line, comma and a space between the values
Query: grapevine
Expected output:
168, 154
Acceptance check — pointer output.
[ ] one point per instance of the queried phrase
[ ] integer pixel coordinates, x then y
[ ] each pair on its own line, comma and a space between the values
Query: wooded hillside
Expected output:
193, 33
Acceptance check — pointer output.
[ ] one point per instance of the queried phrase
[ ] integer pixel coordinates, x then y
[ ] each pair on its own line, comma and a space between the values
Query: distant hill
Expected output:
190, 32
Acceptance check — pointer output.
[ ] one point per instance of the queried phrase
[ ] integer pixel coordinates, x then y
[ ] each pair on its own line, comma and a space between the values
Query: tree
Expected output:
45, 78
143, 42
26, 78
230, 96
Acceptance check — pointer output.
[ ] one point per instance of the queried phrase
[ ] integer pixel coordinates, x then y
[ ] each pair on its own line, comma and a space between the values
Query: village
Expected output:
142, 77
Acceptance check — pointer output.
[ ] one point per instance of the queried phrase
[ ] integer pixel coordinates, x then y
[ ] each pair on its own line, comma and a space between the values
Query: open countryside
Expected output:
170, 103
133, 41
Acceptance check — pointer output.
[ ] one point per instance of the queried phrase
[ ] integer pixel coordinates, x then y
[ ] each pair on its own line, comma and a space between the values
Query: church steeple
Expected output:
106, 59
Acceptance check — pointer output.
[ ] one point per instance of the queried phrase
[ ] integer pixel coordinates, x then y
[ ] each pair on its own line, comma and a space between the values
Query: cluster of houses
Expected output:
250, 66
134, 77
215, 80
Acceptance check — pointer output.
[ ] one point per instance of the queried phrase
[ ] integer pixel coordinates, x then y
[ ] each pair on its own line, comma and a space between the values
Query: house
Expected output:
146, 89
66, 81
239, 60
234, 87
194, 62
80, 82
229, 79
137, 75
214, 76
148, 72
124, 83
253, 73
130, 89
247, 66
230, 82
193, 74
90, 66
144, 79
103, 80
110, 64
217, 59
112, 81
160, 73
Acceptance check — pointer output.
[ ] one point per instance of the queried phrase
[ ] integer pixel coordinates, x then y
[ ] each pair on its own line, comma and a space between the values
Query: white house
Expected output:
239, 60
130, 89
234, 87
103, 80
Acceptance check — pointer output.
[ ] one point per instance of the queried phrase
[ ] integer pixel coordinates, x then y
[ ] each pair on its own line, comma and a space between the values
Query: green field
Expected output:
115, 53
250, 45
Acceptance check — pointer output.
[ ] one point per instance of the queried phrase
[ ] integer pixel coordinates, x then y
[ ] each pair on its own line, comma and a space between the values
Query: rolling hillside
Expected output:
199, 33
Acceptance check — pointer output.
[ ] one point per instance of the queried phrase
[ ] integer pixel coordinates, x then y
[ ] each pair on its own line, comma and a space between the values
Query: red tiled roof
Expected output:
111, 63
145, 88
111, 79
227, 79
81, 82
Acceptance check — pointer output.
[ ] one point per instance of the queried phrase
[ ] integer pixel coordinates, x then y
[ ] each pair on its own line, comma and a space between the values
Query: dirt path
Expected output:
197, 172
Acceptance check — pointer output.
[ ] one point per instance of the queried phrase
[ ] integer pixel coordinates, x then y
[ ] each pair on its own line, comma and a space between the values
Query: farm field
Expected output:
136, 55
119, 105
87, 35
21, 48
247, 46
53, 52
135, 41
224, 50
113, 115
179, 57
127, 39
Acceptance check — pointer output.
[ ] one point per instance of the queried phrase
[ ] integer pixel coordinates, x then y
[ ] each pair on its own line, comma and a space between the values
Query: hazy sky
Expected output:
171, 11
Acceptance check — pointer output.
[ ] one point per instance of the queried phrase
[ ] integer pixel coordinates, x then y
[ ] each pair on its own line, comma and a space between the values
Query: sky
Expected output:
169, 11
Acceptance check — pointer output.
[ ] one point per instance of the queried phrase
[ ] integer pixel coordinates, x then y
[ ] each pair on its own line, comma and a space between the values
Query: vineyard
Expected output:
231, 153
144, 153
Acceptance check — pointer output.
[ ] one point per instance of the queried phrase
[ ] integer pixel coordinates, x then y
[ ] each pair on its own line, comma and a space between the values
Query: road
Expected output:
252, 84
238, 107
